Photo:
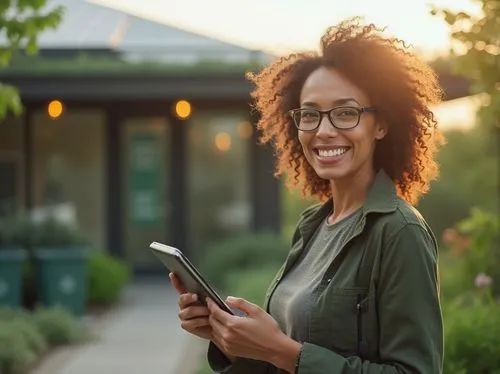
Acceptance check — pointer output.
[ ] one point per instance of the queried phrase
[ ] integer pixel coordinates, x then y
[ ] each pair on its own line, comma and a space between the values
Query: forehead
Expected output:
326, 86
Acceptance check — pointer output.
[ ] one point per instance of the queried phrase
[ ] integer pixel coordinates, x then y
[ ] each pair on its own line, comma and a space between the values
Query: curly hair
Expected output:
398, 84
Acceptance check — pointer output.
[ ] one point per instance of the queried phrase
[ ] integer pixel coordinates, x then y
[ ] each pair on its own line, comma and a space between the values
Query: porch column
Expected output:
265, 188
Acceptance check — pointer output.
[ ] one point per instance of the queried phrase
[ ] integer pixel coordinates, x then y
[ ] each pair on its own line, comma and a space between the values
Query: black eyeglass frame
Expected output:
359, 110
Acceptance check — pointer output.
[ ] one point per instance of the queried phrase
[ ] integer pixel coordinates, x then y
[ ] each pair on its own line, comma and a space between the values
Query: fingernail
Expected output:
231, 299
195, 297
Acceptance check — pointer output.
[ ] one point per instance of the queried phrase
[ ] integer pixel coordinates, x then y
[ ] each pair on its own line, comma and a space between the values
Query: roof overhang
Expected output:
228, 86
232, 87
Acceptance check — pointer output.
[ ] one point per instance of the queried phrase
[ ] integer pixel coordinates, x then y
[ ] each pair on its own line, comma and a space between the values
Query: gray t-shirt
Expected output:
292, 299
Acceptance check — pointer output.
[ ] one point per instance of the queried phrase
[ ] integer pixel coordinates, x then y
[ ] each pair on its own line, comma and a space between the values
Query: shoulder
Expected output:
306, 216
405, 224
310, 211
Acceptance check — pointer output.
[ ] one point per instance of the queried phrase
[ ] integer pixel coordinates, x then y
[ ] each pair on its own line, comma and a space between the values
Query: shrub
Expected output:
28, 330
53, 233
22, 322
58, 326
25, 336
8, 314
454, 278
472, 338
15, 230
242, 252
251, 284
482, 231
15, 353
106, 278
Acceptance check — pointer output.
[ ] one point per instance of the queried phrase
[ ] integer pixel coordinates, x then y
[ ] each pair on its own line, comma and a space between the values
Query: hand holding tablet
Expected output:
188, 275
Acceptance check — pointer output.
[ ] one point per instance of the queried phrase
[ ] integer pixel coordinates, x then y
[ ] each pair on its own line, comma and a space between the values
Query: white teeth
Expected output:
332, 152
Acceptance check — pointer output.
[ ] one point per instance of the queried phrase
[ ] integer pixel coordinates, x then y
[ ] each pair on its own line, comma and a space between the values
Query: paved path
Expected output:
143, 336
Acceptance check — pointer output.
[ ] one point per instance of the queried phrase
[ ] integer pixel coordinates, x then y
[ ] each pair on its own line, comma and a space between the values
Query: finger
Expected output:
223, 317
243, 305
176, 282
196, 323
217, 327
221, 335
193, 312
188, 299
213, 307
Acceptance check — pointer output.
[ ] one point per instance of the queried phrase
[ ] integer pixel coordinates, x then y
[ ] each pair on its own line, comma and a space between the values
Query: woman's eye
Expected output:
347, 113
309, 115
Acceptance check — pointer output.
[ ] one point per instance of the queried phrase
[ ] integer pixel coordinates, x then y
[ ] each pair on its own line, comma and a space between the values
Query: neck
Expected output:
349, 193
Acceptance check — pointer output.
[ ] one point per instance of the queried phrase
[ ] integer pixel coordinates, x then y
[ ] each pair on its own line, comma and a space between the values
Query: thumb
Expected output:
242, 304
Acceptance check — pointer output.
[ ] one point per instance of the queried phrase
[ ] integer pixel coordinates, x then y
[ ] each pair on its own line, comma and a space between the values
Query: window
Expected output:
68, 169
219, 170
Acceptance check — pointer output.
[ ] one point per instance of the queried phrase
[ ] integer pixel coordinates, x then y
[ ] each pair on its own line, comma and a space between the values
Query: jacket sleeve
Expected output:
410, 320
219, 363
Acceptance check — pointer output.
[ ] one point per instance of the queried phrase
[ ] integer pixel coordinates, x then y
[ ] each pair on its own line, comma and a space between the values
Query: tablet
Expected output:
190, 277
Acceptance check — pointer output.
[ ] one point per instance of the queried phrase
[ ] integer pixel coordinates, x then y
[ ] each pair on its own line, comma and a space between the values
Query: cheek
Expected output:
304, 140
364, 142
366, 133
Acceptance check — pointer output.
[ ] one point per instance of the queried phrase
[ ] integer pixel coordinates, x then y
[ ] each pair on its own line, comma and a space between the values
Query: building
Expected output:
138, 131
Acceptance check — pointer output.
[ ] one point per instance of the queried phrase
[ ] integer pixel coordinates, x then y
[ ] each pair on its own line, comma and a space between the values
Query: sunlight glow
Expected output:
280, 26
460, 114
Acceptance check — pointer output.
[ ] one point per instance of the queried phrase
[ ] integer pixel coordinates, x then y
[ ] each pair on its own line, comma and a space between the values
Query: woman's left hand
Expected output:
256, 336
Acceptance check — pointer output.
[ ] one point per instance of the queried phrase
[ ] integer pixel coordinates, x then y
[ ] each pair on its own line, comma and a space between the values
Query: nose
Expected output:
326, 128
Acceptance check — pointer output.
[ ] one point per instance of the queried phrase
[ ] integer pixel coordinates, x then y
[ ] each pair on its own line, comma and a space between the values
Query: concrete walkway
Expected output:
142, 336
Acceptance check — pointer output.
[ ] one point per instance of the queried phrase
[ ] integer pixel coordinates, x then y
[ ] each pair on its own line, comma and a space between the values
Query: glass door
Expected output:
146, 189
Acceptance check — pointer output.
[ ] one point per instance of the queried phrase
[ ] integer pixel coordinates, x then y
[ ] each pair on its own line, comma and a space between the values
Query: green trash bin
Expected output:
61, 278
11, 276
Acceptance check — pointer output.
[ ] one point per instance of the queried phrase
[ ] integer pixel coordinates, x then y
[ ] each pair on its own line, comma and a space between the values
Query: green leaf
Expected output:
9, 101
21, 26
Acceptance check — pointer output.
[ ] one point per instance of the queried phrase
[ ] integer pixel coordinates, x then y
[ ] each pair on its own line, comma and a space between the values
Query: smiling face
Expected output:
337, 154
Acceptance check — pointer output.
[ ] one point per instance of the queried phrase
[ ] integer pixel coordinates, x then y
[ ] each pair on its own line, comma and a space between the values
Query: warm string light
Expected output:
183, 109
55, 109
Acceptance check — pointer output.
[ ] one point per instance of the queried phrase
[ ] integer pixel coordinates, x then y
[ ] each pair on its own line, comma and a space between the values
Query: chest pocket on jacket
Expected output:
337, 320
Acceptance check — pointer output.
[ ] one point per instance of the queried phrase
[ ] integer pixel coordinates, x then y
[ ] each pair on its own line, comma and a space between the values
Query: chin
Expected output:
332, 174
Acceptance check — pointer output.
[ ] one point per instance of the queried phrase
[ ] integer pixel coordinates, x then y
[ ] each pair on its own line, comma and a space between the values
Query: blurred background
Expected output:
124, 122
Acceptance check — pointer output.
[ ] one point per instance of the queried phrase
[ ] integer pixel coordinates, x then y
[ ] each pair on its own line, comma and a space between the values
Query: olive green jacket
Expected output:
378, 308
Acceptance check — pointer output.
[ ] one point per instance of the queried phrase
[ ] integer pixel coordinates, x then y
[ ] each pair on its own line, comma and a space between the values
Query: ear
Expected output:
381, 130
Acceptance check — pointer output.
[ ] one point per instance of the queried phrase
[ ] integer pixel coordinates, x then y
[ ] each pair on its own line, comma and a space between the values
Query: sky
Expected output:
282, 26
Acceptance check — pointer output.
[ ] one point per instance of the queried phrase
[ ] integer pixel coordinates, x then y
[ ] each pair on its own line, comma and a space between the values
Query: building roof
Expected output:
91, 26
104, 53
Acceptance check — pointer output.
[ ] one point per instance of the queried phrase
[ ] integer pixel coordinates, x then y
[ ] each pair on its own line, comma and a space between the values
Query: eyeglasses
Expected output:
342, 117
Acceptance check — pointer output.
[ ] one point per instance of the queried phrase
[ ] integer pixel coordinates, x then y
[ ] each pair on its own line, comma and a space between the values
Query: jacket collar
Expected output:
381, 198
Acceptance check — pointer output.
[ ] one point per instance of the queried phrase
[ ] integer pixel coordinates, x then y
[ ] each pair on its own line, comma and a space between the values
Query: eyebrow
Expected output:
342, 101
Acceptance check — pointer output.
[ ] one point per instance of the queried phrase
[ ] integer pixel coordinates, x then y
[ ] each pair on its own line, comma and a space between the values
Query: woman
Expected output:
359, 291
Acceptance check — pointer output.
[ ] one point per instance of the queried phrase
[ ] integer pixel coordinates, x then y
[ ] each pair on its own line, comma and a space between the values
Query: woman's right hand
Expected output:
193, 315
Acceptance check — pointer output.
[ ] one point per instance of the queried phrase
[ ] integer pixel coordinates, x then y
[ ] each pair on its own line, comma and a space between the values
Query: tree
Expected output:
469, 160
466, 180
21, 21
476, 55
479, 37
